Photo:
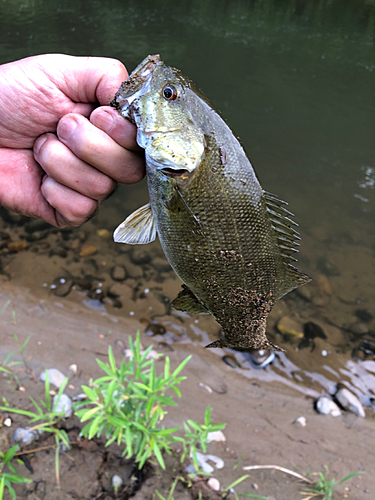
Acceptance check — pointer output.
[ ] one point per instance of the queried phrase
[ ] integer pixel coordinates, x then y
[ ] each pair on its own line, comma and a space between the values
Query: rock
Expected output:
88, 250
260, 358
214, 484
301, 421
326, 267
103, 233
364, 315
59, 251
25, 436
55, 377
312, 330
140, 256
231, 361
64, 405
118, 273
217, 436
326, 406
73, 368
350, 402
17, 246
359, 328
62, 286
155, 329
36, 236
94, 305
288, 326
324, 285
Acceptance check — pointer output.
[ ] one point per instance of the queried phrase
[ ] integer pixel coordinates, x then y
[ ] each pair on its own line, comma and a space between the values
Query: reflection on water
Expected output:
296, 81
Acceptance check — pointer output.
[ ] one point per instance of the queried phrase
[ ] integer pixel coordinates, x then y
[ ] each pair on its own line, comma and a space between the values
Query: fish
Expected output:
231, 243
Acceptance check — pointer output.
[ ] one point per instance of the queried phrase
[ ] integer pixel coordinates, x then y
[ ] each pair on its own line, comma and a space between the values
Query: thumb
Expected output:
85, 79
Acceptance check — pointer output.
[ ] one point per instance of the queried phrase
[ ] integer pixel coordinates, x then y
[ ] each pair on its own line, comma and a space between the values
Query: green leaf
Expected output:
158, 456
17, 479
181, 366
90, 393
90, 413
111, 358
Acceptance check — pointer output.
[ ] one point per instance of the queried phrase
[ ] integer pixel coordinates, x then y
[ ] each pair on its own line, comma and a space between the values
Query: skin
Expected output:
62, 149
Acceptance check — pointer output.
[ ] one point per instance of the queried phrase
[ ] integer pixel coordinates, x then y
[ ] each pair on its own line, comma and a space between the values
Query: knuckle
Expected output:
102, 186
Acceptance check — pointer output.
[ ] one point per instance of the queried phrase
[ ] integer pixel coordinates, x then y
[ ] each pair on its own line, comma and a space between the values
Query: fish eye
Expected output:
170, 92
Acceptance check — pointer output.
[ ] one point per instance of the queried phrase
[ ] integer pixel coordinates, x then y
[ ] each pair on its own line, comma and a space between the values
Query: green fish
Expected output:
230, 242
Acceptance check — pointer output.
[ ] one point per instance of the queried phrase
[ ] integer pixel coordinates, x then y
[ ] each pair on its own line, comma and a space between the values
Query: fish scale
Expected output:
230, 242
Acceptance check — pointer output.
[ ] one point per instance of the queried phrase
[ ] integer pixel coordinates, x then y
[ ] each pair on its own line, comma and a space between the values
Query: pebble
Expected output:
17, 246
73, 368
301, 421
359, 328
350, 402
231, 361
214, 484
140, 256
215, 436
151, 355
25, 436
103, 233
155, 329
364, 315
326, 406
288, 326
88, 250
8, 422
55, 377
62, 287
118, 273
95, 305
204, 465
327, 267
64, 405
312, 330
35, 225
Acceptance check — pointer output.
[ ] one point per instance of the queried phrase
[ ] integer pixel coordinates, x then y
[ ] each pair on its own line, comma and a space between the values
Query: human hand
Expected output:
55, 163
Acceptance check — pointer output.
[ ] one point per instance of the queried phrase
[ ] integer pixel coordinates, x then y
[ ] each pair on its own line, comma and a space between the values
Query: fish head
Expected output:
157, 99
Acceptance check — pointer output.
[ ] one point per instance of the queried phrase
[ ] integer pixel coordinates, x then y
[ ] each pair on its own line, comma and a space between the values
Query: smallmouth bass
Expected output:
230, 242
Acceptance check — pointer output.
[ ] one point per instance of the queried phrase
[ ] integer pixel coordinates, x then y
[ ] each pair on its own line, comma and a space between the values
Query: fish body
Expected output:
230, 242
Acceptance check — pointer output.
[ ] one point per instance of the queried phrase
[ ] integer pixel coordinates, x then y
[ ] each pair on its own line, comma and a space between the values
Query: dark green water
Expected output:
295, 79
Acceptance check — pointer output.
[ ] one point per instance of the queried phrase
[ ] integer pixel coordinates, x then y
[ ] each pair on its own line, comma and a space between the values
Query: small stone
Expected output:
155, 329
326, 267
205, 387
359, 328
103, 233
231, 361
55, 377
312, 330
25, 436
118, 273
214, 484
326, 406
288, 326
22, 389
76, 243
324, 285
217, 436
35, 225
301, 421
88, 250
350, 402
364, 315
17, 246
8, 422
255, 486
64, 405
62, 287
73, 368
140, 256
95, 305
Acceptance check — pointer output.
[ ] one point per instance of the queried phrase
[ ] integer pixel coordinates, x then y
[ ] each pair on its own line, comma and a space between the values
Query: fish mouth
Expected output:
173, 172
137, 84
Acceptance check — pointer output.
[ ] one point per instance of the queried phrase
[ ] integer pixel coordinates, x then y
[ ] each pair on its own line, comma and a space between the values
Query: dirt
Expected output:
86, 310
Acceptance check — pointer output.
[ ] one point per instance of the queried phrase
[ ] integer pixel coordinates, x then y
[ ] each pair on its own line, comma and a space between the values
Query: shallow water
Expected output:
296, 82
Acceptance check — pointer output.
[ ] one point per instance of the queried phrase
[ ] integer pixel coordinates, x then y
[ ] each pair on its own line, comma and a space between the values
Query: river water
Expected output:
295, 80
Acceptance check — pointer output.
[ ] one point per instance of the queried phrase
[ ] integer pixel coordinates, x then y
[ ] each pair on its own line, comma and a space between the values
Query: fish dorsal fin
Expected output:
186, 301
287, 238
137, 229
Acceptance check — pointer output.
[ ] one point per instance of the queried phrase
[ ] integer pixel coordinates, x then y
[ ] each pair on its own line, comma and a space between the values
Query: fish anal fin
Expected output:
186, 301
137, 229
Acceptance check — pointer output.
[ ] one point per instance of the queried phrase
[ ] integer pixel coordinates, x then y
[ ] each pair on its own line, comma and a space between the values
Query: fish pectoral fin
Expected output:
186, 301
137, 229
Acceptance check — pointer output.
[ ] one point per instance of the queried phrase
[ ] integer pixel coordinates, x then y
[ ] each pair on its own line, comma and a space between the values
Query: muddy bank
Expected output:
259, 415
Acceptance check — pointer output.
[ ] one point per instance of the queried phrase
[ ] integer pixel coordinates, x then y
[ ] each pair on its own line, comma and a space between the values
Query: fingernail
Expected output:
39, 143
104, 120
66, 128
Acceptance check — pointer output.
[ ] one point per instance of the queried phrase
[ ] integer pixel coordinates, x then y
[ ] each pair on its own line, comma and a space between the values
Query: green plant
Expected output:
128, 404
324, 487
7, 478
7, 366
46, 419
